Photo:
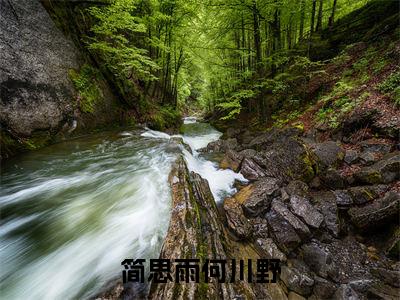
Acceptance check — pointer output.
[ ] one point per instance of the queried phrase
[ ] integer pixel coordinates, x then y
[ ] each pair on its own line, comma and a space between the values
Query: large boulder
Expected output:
220, 146
36, 93
384, 171
38, 101
231, 160
364, 194
262, 193
376, 213
282, 154
329, 154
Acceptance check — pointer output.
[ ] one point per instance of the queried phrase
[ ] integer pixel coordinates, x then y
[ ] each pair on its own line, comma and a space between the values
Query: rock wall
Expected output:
38, 99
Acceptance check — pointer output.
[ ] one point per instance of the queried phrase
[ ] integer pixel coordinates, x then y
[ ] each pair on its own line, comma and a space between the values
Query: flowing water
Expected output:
71, 212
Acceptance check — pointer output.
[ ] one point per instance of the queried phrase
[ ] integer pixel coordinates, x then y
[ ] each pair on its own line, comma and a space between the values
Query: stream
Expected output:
71, 212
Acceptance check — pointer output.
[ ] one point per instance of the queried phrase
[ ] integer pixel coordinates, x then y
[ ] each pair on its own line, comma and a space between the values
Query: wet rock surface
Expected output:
323, 222
38, 101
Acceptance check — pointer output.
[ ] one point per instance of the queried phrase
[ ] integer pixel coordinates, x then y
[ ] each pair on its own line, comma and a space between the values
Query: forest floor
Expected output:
324, 191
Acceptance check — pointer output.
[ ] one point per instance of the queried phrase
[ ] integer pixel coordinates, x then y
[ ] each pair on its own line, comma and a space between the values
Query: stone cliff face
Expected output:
38, 99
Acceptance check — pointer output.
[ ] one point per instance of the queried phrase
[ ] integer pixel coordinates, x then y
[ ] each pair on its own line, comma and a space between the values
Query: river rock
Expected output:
331, 178
367, 158
351, 157
343, 198
221, 146
326, 204
270, 249
36, 57
377, 146
364, 194
329, 154
342, 261
250, 170
231, 160
297, 281
286, 229
377, 212
179, 140
195, 231
384, 171
317, 258
263, 191
260, 228
236, 220
297, 188
302, 208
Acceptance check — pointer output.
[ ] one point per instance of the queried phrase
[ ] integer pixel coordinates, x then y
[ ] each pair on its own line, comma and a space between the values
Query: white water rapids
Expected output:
71, 212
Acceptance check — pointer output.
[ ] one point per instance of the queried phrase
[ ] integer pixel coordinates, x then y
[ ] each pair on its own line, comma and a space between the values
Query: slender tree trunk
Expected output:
302, 16
319, 19
257, 38
314, 3
242, 53
332, 17
276, 30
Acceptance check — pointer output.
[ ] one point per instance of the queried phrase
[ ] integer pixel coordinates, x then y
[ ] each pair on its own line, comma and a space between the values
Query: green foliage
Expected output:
280, 121
113, 32
379, 64
166, 117
86, 84
391, 85
233, 106
361, 65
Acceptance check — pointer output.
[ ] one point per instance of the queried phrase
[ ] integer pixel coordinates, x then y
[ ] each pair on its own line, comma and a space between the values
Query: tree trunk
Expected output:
302, 16
332, 17
319, 19
314, 3
257, 38
311, 27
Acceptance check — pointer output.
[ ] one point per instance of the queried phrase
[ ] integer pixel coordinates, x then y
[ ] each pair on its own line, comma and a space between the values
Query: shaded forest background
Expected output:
219, 57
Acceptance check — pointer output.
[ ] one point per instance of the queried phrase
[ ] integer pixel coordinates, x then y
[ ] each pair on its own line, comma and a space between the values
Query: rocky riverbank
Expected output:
328, 210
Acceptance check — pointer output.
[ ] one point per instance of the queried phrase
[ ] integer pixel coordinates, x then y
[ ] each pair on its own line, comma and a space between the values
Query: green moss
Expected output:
86, 83
310, 168
374, 177
166, 117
